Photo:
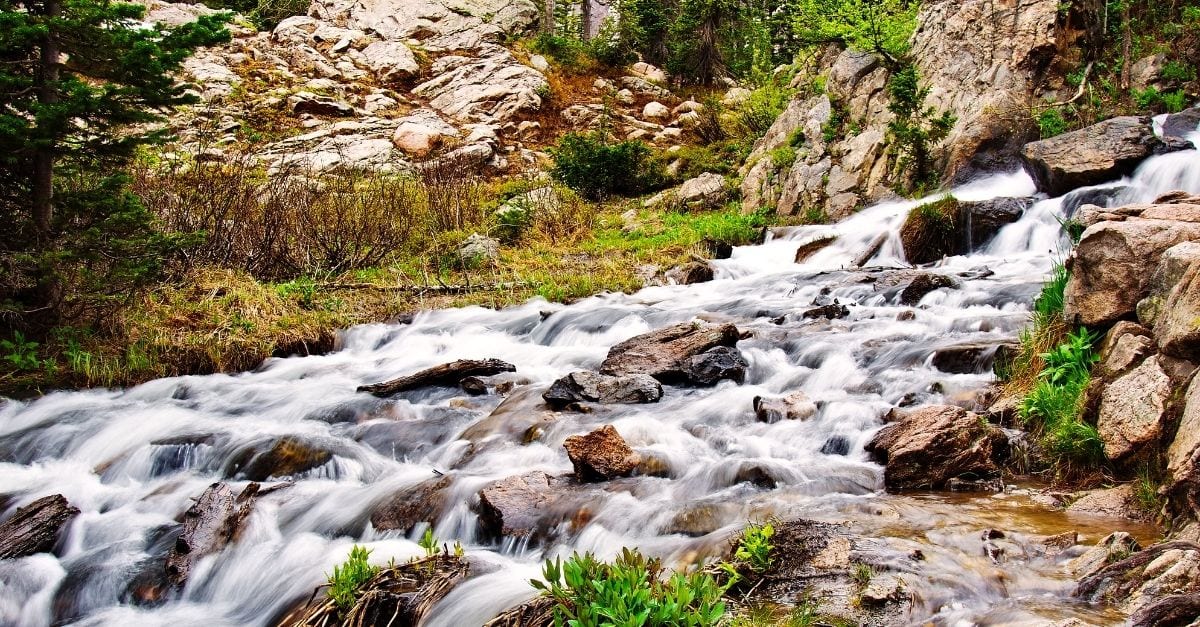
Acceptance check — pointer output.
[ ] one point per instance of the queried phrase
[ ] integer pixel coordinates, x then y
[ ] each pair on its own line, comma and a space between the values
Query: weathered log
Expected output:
1119, 579
871, 251
35, 527
537, 612
212, 522
445, 374
1177, 610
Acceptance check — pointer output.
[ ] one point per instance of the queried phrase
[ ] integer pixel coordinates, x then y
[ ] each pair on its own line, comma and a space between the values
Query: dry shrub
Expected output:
453, 193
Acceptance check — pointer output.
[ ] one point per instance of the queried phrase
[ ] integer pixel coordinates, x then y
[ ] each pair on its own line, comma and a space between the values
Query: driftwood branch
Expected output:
426, 289
1082, 88
35, 527
445, 374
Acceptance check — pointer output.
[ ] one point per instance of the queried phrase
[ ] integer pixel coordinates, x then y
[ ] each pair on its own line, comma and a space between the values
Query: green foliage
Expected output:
597, 168
20, 352
1055, 403
1152, 99
1071, 361
1178, 71
1051, 123
752, 118
629, 592
880, 26
916, 128
267, 14
1146, 490
754, 547
783, 157
349, 577
832, 129
429, 542
862, 575
1052, 297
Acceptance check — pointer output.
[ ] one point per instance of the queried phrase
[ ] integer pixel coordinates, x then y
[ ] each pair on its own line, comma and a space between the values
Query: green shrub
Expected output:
884, 27
1051, 123
931, 231
916, 128
349, 577
1174, 101
570, 53
596, 168
783, 157
629, 591
1054, 405
752, 119
754, 547
269, 13
1053, 295
1178, 71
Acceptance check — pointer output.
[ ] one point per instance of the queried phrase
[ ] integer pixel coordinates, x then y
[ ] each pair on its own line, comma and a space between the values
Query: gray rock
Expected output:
703, 192
479, 248
1096, 154
666, 354
717, 364
593, 387
794, 406
390, 60
307, 102
1134, 408
1175, 298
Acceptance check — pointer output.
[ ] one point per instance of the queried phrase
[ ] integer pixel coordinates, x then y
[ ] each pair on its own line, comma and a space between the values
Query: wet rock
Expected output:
794, 406
404, 510
1177, 128
1176, 610
836, 445
667, 354
285, 457
833, 311
691, 273
927, 447
700, 519
813, 246
1117, 502
972, 358
1135, 581
592, 387
512, 507
884, 588
473, 386
982, 220
35, 527
1114, 547
706, 191
600, 455
933, 231
986, 486
1113, 263
717, 249
717, 364
756, 475
1103, 197
521, 414
922, 284
1134, 409
1061, 542
1096, 154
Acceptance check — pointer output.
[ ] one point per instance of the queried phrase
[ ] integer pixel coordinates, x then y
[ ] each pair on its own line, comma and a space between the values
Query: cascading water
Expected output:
133, 459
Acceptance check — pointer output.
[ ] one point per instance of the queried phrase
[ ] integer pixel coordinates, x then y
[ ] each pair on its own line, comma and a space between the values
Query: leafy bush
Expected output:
349, 577
1052, 298
783, 157
629, 591
1051, 123
884, 27
1178, 71
916, 128
752, 118
1055, 403
596, 168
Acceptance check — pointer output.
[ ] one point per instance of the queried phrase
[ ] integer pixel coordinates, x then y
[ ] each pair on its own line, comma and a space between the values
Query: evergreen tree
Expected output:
81, 84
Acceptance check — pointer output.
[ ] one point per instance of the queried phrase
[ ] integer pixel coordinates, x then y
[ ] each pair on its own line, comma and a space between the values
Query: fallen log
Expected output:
537, 612
446, 374
1173, 611
211, 523
35, 527
871, 251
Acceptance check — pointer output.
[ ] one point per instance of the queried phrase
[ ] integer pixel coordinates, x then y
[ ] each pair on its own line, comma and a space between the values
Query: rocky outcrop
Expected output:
674, 354
1173, 304
1089, 156
1113, 263
1135, 408
35, 528
706, 191
1144, 578
601, 455
928, 447
592, 387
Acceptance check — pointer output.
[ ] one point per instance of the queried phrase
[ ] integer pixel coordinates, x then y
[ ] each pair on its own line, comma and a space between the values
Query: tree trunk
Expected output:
35, 527
445, 374
1126, 46
548, 16
43, 158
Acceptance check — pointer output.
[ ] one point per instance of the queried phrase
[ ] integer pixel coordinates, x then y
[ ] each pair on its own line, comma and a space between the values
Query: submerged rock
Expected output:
927, 447
691, 273
923, 284
795, 406
601, 455
404, 510
285, 457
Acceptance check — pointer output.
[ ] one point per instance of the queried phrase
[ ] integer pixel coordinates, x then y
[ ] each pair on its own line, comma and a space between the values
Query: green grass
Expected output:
349, 577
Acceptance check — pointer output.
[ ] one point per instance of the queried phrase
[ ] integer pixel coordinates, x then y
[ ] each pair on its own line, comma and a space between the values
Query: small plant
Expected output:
1071, 361
1051, 123
783, 157
1050, 301
931, 231
349, 577
1145, 491
862, 575
20, 352
754, 547
597, 168
429, 542
629, 591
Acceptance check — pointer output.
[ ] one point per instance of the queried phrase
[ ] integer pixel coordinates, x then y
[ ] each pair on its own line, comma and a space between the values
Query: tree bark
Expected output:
35, 527
548, 16
445, 374
1126, 46
43, 157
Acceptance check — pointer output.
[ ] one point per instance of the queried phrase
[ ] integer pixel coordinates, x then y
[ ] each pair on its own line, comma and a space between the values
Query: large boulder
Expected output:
404, 510
599, 388
1144, 578
390, 60
1177, 322
491, 87
928, 447
982, 220
1112, 265
667, 354
703, 192
601, 455
1183, 456
1135, 409
1096, 154
1178, 128
514, 507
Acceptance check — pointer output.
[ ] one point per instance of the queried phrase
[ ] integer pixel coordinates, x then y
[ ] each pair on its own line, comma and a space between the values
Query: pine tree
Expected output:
82, 83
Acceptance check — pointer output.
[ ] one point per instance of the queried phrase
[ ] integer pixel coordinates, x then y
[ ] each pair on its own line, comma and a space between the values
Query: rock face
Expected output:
1114, 261
1177, 320
601, 455
592, 387
667, 354
1183, 456
1092, 155
1143, 579
984, 63
1115, 502
928, 447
